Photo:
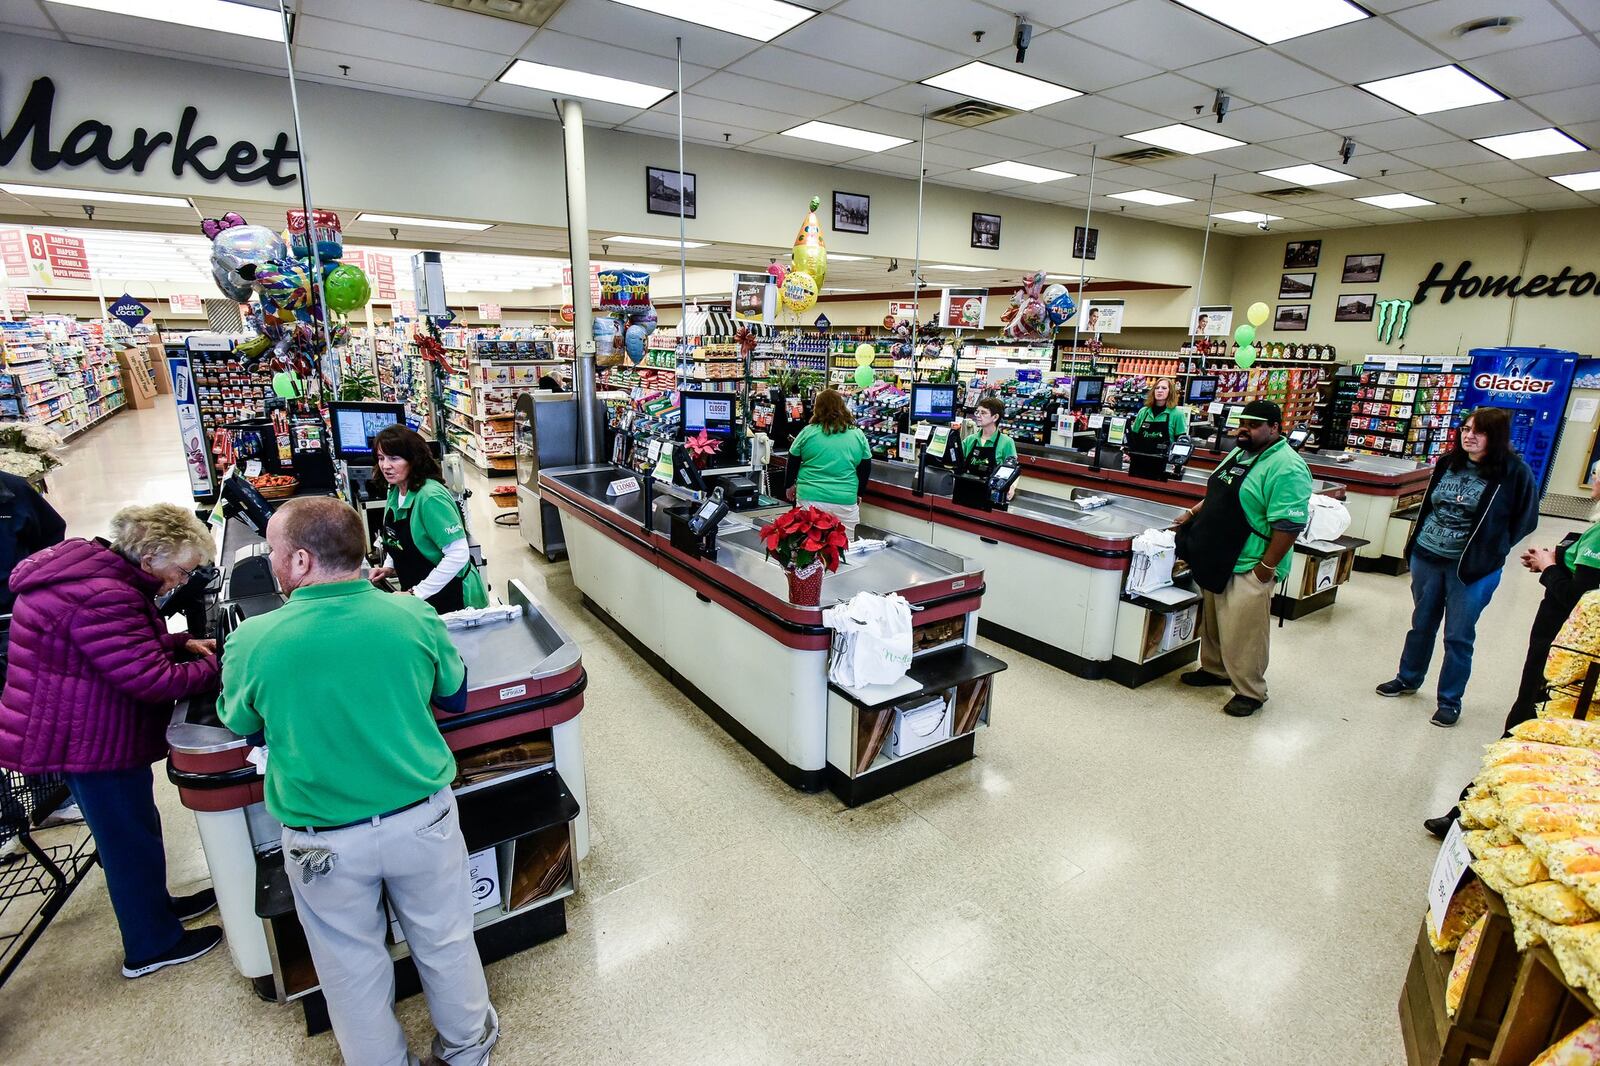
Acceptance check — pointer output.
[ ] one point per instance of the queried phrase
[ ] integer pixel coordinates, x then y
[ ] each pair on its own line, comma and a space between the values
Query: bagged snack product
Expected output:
1527, 927
1572, 856
1572, 945
1531, 753
1581, 1047
1521, 866
1568, 731
1466, 906
1553, 902
1490, 873
1513, 796
1577, 644
1462, 966
1559, 705
1477, 842
1480, 812
1554, 776
1502, 837
1555, 818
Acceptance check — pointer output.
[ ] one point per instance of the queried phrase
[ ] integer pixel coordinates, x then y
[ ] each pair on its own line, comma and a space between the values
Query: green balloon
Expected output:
284, 385
864, 376
346, 288
1245, 358
1245, 334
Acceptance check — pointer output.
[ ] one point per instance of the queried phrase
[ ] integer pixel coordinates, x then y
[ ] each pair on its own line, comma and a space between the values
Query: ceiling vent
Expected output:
972, 113
1290, 193
1143, 155
526, 12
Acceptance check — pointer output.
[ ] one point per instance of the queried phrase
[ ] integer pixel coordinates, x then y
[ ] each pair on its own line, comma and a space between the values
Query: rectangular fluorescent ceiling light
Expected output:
839, 257
1307, 174
1185, 139
846, 136
654, 242
1438, 89
1271, 21
89, 194
1588, 181
1151, 197
582, 84
843, 290
1532, 143
958, 269
435, 223
1246, 216
220, 15
1021, 172
1394, 201
1001, 86
760, 20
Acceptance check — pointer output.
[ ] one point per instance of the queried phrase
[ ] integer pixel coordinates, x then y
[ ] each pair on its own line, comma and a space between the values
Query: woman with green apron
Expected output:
990, 446
1160, 421
424, 537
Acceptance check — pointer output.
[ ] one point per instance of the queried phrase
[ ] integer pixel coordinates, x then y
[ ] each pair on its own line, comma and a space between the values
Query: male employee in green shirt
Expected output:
340, 679
1237, 542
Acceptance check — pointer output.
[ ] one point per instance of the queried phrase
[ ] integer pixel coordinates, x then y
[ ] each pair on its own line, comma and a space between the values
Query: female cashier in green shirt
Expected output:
1161, 420
829, 461
981, 451
424, 538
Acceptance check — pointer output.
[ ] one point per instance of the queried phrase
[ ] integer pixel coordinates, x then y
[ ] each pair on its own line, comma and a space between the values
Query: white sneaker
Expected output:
10, 849
65, 814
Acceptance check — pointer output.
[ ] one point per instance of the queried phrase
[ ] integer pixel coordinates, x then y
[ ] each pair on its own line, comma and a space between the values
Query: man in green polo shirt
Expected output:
340, 679
1237, 542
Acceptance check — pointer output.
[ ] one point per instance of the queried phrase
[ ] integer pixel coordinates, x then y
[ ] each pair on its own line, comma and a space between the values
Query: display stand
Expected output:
1315, 574
1431, 1037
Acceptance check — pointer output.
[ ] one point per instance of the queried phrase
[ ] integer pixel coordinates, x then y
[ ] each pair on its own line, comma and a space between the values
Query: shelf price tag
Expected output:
1452, 862
252, 468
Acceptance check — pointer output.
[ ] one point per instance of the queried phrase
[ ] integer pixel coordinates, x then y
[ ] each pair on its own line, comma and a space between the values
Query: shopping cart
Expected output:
36, 875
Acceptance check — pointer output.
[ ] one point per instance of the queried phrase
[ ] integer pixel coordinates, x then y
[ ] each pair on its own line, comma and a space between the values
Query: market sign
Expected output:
128, 310
91, 140
1468, 285
624, 290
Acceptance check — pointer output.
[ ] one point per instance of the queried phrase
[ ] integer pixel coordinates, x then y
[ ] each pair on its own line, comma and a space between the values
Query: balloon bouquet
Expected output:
1037, 310
279, 270
1245, 335
629, 318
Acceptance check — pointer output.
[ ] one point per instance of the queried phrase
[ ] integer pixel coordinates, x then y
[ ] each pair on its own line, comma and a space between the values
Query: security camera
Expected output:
1347, 150
1022, 38
1263, 225
894, 264
1220, 105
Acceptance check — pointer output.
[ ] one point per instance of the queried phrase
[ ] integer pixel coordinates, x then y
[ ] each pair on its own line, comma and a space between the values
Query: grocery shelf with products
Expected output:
977, 359
477, 396
1406, 407
878, 409
58, 373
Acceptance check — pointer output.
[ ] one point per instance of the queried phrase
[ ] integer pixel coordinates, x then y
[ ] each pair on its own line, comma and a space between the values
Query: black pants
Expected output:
1531, 690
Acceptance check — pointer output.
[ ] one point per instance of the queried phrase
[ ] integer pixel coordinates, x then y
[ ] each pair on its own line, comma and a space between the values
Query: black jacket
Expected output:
1508, 512
27, 524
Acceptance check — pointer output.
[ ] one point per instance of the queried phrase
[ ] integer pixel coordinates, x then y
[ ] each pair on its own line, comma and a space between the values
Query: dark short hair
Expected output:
994, 405
328, 529
401, 442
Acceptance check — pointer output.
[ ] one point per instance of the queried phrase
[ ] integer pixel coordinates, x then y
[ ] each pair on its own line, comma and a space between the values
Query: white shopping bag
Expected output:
1154, 552
1326, 519
871, 640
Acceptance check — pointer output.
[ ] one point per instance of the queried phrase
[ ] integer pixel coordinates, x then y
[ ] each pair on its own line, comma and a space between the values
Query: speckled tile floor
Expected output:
1119, 877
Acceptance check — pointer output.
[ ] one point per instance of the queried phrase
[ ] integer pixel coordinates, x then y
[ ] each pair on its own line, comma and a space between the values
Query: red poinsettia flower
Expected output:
803, 535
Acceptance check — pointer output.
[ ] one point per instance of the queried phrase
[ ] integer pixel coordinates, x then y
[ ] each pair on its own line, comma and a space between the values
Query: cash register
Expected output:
933, 409
987, 492
354, 425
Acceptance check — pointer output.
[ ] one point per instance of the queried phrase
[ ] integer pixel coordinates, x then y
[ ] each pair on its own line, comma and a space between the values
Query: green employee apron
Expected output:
411, 566
1150, 435
1211, 541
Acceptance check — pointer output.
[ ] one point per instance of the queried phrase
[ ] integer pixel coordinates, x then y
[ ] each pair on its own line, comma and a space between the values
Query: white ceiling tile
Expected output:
1397, 133
883, 120
1525, 186
650, 32
1073, 162
1540, 22
1320, 147
1046, 134
939, 156
1257, 124
595, 57
1261, 75
1559, 200
1480, 174
1487, 120
1162, 33
1336, 108
1072, 61
913, 99
1103, 114
1543, 68
1574, 163
794, 148
368, 43
26, 13
991, 145
375, 73
808, 72
1451, 154
737, 88
753, 118
1370, 164
948, 24
843, 41
665, 123
1255, 157
1190, 167
1570, 105
1168, 95
1586, 12
127, 33
1414, 181
1362, 51
432, 22
536, 103
884, 163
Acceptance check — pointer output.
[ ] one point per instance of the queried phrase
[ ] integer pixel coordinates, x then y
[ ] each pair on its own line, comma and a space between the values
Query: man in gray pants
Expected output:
340, 679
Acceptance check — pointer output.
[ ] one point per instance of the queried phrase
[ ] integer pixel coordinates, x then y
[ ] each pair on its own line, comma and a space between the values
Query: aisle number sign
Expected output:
489, 312
1447, 870
185, 303
47, 258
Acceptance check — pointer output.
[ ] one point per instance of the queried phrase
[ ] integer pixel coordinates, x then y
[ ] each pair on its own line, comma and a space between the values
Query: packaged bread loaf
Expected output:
1477, 842
1462, 966
1573, 855
1553, 901
1527, 927
1554, 818
1559, 705
1552, 775
1519, 865
1530, 753
1480, 812
1581, 1047
1490, 873
1466, 906
1567, 731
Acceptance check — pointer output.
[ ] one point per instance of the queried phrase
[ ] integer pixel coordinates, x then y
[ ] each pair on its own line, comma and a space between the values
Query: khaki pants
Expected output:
847, 513
1236, 626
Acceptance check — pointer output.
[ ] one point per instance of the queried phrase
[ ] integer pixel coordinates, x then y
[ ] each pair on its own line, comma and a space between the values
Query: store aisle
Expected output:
1119, 877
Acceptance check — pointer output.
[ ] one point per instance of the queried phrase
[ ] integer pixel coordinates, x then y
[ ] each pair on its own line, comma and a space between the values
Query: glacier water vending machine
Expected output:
1531, 383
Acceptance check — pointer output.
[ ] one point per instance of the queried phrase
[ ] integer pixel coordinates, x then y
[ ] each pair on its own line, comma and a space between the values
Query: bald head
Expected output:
314, 540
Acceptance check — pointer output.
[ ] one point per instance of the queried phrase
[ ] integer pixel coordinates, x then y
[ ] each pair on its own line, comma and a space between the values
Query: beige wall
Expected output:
1525, 244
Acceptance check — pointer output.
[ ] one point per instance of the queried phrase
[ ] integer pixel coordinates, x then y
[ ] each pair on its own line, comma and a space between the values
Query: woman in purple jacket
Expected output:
93, 675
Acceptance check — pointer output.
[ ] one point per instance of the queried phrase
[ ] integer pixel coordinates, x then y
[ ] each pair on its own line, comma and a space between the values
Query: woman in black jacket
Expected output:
1481, 501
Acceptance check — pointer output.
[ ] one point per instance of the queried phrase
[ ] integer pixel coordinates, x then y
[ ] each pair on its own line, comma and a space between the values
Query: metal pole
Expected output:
305, 196
1204, 248
1083, 273
683, 249
916, 271
571, 112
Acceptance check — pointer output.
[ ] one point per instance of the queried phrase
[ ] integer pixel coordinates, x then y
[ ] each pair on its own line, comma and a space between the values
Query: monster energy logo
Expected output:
1393, 317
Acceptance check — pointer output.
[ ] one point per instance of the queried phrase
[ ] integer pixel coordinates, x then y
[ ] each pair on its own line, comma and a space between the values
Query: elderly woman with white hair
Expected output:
92, 679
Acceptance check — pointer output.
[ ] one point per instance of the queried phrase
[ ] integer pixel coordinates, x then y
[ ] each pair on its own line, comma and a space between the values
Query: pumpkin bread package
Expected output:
1554, 818
1554, 902
1512, 774
1466, 907
1533, 753
1519, 865
1581, 1047
1490, 873
1560, 705
1568, 731
1572, 856
1462, 966
1477, 842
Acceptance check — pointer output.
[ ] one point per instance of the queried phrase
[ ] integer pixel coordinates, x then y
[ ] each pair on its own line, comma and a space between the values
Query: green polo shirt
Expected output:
339, 678
828, 464
435, 525
1585, 551
1275, 493
1175, 418
1004, 447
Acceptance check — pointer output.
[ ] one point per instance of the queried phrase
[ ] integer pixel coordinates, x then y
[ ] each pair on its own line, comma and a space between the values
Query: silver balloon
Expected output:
241, 249
233, 287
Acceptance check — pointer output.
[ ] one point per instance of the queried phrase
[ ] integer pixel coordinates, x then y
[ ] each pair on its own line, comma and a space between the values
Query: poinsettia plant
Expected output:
804, 535
702, 446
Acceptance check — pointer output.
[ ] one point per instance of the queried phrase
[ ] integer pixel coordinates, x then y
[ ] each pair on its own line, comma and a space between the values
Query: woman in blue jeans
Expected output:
1481, 501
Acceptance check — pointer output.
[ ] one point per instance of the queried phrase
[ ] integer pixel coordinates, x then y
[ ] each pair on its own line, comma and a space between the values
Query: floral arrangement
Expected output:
702, 446
28, 450
804, 536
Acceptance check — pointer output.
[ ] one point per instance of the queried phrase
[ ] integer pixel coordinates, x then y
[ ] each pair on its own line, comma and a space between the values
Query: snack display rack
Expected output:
477, 403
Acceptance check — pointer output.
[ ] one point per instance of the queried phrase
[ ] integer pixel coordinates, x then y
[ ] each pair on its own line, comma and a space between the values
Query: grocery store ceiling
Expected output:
1140, 64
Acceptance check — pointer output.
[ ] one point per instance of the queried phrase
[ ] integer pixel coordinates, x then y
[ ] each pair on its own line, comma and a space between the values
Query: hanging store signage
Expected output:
379, 268
1212, 322
404, 308
623, 290
962, 308
94, 141
568, 313
45, 257
1102, 316
1566, 283
489, 312
183, 303
823, 322
755, 298
16, 301
128, 311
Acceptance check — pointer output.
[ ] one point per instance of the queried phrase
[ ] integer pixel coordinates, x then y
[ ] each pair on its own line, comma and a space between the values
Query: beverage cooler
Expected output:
1533, 384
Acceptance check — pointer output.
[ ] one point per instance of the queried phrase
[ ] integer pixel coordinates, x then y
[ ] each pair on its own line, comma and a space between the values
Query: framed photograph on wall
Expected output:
1355, 307
1302, 255
852, 212
1296, 286
661, 192
985, 231
1291, 318
1362, 270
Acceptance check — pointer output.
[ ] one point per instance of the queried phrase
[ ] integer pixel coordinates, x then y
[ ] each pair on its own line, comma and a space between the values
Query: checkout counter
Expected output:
690, 588
520, 789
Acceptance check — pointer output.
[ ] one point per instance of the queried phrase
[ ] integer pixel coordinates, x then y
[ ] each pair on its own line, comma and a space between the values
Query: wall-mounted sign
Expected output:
489, 312
1085, 242
16, 301
94, 141
185, 303
1566, 283
127, 310
962, 308
45, 258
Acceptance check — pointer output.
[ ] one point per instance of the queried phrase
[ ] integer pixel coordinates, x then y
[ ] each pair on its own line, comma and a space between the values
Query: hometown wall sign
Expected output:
93, 141
1566, 283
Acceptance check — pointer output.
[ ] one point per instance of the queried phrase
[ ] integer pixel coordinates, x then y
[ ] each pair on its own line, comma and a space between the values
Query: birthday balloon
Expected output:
865, 354
809, 254
233, 287
863, 376
240, 250
283, 283
633, 342
326, 229
1245, 335
345, 288
646, 318
799, 292
284, 385
1245, 358
777, 270
1257, 313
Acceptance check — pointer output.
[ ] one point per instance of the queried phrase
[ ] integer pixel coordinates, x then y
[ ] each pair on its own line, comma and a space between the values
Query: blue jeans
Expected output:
1439, 594
119, 807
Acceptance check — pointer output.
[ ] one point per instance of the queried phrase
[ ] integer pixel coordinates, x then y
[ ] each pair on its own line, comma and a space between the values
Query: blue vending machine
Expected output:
1531, 383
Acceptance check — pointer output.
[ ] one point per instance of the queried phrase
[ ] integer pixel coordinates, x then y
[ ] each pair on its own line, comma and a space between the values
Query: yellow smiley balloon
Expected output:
809, 253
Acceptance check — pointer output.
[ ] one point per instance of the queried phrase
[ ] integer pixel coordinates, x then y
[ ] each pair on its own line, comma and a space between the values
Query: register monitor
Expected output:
1088, 392
711, 413
246, 503
354, 426
933, 403
1202, 390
